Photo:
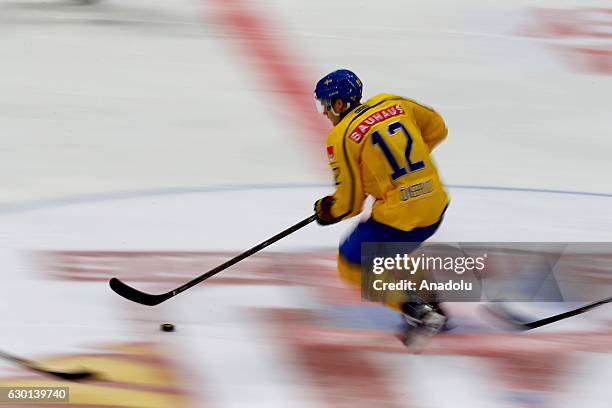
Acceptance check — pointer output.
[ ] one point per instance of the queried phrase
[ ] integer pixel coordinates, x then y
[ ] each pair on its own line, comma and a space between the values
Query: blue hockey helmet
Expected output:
341, 84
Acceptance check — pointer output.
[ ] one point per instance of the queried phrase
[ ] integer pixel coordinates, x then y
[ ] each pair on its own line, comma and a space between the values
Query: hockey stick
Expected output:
520, 324
64, 375
148, 299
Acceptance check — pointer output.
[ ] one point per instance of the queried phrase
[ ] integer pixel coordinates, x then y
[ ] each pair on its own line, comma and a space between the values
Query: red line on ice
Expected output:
280, 67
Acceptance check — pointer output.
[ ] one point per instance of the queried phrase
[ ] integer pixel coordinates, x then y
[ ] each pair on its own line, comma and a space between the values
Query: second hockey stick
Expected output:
149, 299
521, 324
64, 375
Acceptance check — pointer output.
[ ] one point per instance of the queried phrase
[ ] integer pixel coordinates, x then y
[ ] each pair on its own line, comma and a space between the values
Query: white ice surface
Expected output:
141, 95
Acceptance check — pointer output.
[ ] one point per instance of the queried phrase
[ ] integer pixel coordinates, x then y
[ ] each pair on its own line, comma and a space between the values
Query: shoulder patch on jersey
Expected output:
330, 153
365, 125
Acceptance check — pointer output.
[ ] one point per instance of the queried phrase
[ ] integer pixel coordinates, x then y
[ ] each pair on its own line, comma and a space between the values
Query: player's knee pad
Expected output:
349, 271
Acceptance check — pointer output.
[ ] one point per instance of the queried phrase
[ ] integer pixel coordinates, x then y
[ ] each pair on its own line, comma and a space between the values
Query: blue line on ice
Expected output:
120, 195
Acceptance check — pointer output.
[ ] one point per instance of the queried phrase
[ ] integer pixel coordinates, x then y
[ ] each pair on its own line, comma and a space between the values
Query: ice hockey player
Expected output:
382, 148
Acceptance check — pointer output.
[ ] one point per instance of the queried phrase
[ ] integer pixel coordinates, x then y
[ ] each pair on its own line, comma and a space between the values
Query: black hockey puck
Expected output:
167, 327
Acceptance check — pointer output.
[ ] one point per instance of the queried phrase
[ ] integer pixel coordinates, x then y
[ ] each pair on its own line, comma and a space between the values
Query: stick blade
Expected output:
500, 311
73, 375
64, 375
135, 295
508, 320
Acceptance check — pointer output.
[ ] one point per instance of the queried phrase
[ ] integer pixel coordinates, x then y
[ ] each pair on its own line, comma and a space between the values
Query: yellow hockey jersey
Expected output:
382, 148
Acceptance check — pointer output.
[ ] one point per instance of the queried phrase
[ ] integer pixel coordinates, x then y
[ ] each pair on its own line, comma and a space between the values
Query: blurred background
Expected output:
152, 140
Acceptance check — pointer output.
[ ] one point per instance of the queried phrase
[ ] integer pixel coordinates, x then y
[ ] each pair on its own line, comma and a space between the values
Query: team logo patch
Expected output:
330, 153
365, 125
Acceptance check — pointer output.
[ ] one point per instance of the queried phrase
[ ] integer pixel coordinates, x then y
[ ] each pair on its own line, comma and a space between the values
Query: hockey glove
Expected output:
323, 211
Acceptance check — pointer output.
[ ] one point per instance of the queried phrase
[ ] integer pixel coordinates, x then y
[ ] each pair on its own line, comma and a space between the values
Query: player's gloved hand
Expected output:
323, 211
